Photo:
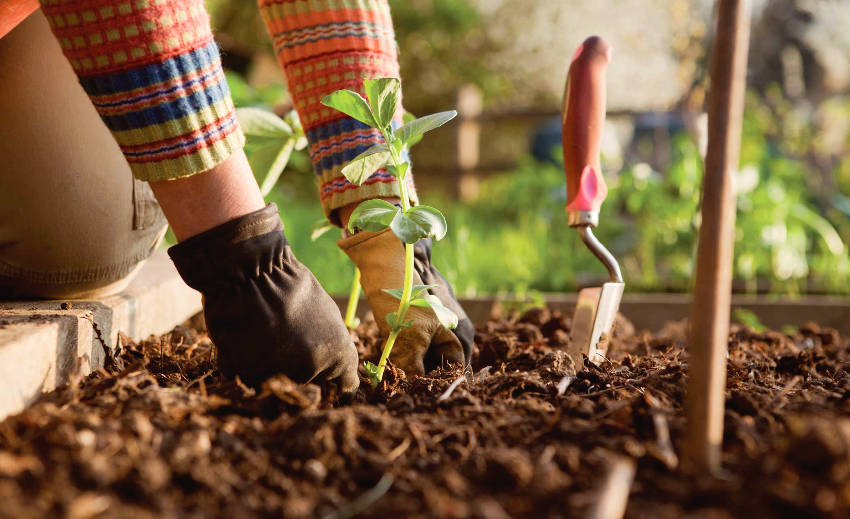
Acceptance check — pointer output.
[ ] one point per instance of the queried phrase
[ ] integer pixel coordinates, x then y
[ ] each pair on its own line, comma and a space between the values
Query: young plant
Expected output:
320, 227
409, 224
270, 141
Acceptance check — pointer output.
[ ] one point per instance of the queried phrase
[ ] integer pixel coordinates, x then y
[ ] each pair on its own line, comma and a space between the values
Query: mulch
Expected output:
160, 434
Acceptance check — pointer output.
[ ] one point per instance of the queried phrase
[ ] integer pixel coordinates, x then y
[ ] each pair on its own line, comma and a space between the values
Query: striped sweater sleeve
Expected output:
153, 72
324, 46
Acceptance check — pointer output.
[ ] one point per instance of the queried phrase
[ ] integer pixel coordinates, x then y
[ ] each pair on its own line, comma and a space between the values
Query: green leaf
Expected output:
391, 319
398, 172
319, 228
372, 371
259, 125
414, 293
371, 160
417, 127
419, 222
372, 215
298, 131
412, 141
383, 98
351, 104
397, 143
446, 317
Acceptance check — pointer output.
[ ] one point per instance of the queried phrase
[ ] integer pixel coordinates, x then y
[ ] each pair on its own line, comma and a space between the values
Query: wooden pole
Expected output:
470, 103
613, 499
706, 391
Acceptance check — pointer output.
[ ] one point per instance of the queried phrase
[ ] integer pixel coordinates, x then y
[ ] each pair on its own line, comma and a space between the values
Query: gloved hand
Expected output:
265, 311
425, 344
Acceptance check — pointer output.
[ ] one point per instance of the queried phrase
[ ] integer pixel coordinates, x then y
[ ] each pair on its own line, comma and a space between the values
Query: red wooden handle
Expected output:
581, 125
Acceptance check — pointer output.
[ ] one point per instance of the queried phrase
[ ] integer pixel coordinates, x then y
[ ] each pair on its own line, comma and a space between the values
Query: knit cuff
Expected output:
324, 46
154, 75
338, 192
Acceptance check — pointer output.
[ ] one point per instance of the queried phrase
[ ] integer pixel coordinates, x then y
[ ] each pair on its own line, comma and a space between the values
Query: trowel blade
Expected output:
596, 309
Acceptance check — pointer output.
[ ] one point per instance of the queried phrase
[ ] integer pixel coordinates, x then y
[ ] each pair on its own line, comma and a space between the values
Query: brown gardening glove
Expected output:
265, 311
427, 343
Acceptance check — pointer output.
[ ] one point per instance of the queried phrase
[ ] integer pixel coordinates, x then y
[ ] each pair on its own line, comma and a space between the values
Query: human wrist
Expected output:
232, 251
203, 201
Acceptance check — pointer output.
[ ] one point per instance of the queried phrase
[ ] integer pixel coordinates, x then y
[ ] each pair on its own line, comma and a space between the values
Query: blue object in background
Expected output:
546, 137
546, 140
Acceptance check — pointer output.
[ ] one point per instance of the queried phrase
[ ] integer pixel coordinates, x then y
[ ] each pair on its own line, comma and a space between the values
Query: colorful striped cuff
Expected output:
154, 75
324, 46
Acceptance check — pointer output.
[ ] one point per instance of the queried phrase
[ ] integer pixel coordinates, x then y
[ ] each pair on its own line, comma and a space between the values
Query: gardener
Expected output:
74, 223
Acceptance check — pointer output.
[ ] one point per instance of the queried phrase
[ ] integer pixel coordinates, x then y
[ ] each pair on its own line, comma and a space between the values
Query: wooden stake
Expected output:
710, 309
470, 104
614, 496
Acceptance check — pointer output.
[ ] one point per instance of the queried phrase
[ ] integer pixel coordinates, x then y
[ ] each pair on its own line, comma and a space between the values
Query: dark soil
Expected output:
160, 435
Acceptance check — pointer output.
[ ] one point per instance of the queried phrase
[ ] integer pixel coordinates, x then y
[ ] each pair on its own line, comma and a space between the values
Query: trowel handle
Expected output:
581, 130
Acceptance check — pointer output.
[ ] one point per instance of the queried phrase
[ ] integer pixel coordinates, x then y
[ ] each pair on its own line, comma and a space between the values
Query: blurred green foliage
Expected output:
245, 95
430, 34
790, 237
515, 237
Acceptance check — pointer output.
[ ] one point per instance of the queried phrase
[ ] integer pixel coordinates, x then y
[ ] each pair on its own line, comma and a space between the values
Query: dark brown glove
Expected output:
265, 311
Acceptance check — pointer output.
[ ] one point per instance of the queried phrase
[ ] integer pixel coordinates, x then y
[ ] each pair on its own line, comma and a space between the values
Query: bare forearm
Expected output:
200, 202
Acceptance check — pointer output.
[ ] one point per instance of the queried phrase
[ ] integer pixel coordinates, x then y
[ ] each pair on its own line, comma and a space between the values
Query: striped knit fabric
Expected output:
324, 46
154, 74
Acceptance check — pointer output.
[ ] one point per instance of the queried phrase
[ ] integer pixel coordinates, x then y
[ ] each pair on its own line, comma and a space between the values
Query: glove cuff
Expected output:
382, 239
233, 251
380, 258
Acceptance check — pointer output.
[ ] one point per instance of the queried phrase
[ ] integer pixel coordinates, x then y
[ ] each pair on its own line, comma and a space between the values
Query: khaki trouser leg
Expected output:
73, 222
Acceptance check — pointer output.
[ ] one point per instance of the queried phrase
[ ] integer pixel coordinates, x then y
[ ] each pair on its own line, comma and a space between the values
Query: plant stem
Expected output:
407, 287
403, 305
353, 299
284, 154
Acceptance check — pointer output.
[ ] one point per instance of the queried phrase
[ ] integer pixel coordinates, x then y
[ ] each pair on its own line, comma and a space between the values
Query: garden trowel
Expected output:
583, 117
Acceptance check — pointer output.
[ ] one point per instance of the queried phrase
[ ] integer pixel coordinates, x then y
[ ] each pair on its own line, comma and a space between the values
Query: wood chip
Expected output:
451, 389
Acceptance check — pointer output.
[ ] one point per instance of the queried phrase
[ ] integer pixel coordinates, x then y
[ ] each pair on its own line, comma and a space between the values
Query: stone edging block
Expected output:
42, 343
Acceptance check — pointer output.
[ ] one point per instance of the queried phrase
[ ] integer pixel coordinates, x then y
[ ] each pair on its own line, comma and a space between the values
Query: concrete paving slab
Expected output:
43, 342
41, 350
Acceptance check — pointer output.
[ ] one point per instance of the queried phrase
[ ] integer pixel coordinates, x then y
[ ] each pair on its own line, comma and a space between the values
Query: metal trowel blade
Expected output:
596, 309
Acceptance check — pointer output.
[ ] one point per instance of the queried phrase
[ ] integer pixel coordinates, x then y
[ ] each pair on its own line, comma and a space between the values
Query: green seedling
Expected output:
409, 224
320, 227
270, 141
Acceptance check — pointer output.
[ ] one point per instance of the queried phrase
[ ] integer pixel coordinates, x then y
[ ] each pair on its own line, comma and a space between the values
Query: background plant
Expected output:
269, 143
